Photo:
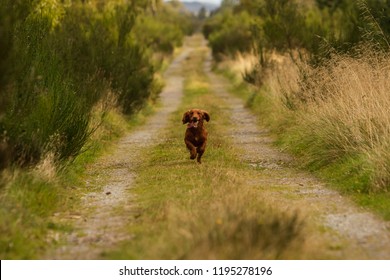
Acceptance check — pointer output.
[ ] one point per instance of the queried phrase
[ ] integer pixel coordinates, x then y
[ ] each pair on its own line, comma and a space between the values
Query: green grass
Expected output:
350, 177
207, 211
26, 205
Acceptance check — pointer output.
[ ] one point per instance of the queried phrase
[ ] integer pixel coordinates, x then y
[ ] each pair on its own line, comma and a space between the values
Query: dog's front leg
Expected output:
191, 148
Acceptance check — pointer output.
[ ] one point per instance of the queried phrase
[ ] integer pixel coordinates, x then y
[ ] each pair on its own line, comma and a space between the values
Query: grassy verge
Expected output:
30, 198
207, 211
332, 120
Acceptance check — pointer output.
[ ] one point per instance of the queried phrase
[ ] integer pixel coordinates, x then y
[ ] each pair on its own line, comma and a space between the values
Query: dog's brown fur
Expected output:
196, 134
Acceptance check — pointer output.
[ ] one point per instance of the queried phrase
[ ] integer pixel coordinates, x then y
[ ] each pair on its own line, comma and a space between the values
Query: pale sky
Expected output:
209, 1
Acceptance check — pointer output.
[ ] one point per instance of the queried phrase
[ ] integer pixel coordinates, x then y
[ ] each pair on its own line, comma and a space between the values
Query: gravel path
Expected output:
101, 222
336, 228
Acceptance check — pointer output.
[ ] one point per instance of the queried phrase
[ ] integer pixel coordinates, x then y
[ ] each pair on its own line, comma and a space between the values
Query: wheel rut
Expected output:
108, 204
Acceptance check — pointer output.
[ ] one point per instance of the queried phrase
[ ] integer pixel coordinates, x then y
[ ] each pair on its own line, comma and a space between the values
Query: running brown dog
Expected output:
196, 134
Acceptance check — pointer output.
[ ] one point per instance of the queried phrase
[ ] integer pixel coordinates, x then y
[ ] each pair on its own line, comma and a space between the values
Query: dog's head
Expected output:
195, 116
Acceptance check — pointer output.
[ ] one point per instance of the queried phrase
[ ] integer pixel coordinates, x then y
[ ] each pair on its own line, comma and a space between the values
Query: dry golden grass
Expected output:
335, 111
47, 168
240, 64
347, 104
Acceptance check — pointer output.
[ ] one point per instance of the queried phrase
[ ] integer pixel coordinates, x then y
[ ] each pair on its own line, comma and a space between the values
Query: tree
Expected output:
202, 13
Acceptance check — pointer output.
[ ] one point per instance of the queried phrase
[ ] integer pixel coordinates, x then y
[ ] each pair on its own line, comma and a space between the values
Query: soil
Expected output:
336, 228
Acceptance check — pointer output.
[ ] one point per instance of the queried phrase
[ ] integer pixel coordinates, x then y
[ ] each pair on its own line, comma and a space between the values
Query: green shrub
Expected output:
163, 30
229, 33
58, 60
44, 111
298, 28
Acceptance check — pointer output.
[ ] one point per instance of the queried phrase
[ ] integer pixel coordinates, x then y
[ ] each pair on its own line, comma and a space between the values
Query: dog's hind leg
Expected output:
200, 154
200, 150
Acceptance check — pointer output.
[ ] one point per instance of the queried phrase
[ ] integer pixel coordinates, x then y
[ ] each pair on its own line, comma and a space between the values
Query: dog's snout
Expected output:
195, 119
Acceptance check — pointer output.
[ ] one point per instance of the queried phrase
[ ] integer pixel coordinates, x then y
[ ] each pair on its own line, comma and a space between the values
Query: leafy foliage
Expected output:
164, 29
59, 59
229, 33
297, 27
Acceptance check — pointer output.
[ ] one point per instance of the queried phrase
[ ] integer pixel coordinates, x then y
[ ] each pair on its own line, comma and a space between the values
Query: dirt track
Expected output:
108, 204
336, 228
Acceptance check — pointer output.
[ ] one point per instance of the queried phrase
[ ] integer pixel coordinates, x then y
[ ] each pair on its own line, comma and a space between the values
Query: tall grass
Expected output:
345, 114
333, 113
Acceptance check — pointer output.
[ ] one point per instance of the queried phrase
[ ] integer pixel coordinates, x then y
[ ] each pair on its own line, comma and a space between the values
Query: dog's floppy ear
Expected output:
186, 117
206, 115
